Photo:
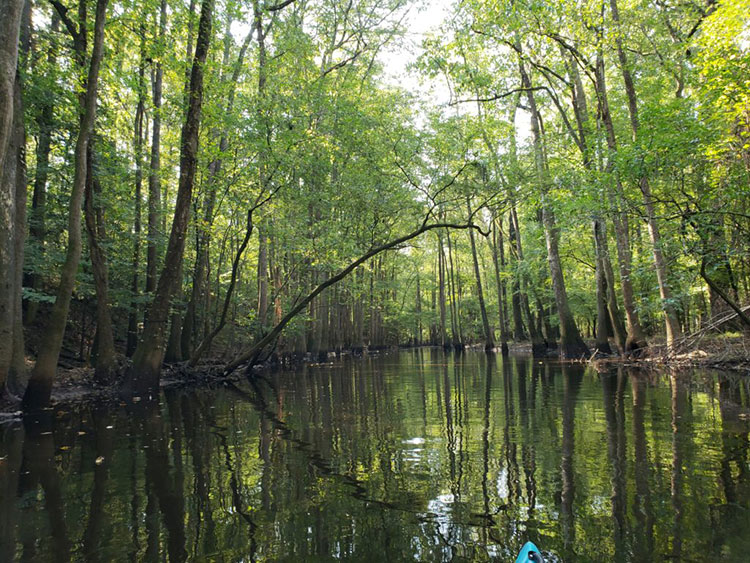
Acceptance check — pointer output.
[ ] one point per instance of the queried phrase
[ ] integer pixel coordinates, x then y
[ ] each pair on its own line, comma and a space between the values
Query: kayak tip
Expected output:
530, 553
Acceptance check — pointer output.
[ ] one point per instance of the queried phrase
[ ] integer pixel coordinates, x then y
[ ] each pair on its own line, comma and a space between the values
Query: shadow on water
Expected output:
419, 455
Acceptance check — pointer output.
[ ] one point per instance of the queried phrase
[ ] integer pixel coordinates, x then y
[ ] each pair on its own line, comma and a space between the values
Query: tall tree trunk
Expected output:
12, 238
519, 299
515, 245
140, 110
149, 354
602, 337
154, 184
457, 336
604, 306
10, 29
489, 340
418, 314
497, 248
38, 220
635, 339
444, 341
105, 367
571, 343
10, 26
199, 294
40, 385
660, 264
262, 279
620, 334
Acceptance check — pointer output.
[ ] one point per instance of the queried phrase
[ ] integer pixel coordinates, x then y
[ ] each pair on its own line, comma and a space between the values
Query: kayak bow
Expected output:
529, 554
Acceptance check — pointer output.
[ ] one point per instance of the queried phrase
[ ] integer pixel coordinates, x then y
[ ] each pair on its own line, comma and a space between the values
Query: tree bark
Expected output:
40, 385
148, 357
105, 366
12, 238
198, 295
10, 26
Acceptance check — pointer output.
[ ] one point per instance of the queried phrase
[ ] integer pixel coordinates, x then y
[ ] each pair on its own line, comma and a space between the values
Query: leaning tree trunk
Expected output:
148, 357
40, 385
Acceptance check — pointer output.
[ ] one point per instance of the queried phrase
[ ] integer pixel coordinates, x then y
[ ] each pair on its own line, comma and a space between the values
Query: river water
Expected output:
412, 456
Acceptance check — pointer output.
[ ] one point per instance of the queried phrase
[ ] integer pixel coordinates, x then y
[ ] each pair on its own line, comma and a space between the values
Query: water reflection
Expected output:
413, 456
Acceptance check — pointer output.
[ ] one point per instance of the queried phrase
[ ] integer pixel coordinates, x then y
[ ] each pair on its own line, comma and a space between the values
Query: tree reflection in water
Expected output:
412, 456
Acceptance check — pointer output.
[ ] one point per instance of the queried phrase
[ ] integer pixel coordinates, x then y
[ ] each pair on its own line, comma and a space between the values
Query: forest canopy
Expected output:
251, 180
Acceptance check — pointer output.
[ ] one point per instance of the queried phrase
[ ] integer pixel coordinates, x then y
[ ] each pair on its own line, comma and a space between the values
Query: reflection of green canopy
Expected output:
529, 553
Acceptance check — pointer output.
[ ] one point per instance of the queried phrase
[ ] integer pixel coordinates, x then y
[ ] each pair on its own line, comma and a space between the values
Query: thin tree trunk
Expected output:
458, 341
262, 279
105, 367
489, 341
497, 247
602, 336
515, 245
149, 354
154, 183
444, 342
132, 341
604, 306
38, 222
40, 385
620, 334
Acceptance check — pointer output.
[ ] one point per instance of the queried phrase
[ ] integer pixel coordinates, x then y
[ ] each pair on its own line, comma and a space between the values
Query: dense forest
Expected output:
240, 181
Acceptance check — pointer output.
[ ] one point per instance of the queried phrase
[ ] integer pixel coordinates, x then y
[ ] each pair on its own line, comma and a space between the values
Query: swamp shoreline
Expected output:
76, 385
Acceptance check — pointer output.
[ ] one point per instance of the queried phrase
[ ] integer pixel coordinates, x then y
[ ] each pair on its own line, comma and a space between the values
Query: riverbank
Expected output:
729, 352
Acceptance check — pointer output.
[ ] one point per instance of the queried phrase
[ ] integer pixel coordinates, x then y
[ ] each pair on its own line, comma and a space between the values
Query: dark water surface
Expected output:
414, 456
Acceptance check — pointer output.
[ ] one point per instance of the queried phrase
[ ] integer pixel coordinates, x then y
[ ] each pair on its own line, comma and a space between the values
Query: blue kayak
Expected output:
530, 554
